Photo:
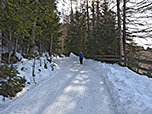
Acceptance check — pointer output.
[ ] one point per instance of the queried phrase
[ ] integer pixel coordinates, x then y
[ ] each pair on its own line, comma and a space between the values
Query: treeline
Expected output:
92, 30
99, 27
27, 25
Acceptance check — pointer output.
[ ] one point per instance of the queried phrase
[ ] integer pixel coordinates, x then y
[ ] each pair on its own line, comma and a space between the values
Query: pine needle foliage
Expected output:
10, 82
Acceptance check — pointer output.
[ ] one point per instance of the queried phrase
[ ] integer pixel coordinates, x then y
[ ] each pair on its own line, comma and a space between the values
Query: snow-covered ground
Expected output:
132, 93
91, 88
25, 68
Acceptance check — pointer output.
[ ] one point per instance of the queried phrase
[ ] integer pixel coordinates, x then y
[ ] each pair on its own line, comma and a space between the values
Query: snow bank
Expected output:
72, 55
131, 92
25, 68
19, 56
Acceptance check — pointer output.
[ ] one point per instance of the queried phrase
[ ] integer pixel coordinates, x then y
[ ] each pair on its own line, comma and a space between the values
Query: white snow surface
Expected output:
91, 88
131, 92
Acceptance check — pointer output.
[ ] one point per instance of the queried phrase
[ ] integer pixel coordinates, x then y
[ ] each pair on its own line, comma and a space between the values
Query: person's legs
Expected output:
81, 60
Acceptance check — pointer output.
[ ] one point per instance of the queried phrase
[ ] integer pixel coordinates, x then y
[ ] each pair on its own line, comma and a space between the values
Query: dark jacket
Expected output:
81, 55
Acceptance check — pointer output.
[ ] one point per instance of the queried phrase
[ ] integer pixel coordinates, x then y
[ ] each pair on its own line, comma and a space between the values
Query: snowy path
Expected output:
74, 89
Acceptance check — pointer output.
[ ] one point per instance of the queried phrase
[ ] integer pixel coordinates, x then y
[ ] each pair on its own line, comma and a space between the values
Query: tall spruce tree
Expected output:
94, 32
77, 32
1, 8
74, 41
91, 42
103, 35
108, 30
121, 47
49, 26
11, 24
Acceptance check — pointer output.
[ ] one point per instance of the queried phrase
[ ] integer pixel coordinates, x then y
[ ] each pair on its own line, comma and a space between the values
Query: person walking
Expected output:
81, 58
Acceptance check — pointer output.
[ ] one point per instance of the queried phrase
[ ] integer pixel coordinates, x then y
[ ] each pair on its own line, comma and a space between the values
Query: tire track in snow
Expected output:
113, 106
75, 90
57, 93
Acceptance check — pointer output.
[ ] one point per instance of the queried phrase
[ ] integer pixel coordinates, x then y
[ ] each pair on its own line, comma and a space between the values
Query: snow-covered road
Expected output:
74, 89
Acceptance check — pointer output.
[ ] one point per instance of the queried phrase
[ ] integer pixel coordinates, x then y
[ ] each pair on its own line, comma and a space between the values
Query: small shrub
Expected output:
52, 66
10, 82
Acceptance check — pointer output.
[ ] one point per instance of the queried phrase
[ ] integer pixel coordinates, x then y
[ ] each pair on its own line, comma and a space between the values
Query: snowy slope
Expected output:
91, 88
131, 92
40, 71
25, 70
74, 89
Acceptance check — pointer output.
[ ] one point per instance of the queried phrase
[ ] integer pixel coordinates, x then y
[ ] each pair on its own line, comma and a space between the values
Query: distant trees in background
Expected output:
92, 29
105, 30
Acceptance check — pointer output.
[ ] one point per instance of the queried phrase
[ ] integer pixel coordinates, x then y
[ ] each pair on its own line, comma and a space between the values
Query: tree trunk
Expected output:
40, 50
33, 72
0, 47
124, 25
34, 35
10, 46
40, 47
119, 29
98, 12
93, 20
33, 40
71, 14
88, 18
15, 48
51, 47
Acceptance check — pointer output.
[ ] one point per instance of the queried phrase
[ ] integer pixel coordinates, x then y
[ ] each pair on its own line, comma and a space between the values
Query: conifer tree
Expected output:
25, 22
1, 7
48, 22
10, 23
103, 36
77, 32
10, 82
109, 32
119, 29
74, 41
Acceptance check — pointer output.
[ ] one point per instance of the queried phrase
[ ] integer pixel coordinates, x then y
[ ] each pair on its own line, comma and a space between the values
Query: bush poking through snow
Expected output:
45, 64
10, 82
52, 66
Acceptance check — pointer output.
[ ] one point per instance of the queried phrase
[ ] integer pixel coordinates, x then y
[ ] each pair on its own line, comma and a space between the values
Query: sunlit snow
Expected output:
91, 88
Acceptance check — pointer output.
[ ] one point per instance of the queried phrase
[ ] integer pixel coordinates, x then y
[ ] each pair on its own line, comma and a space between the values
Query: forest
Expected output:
26, 27
94, 27
107, 27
